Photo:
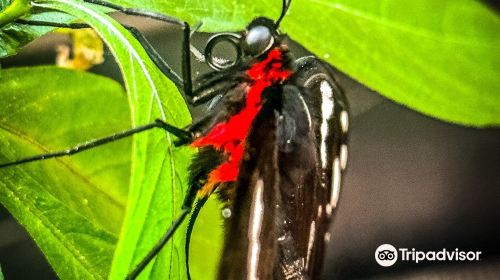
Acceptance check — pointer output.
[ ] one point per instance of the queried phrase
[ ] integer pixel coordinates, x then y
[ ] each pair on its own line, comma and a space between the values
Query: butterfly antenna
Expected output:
284, 9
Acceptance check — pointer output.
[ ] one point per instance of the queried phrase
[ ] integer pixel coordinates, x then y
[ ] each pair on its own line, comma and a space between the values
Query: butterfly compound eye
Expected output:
258, 40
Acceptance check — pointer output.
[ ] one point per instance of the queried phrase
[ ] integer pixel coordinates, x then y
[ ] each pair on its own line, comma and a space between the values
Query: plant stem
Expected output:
15, 10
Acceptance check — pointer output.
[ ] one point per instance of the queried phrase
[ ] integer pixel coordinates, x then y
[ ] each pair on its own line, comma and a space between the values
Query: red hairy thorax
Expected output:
229, 137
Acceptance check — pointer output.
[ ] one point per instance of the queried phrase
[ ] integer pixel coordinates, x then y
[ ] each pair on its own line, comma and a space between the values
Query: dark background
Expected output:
412, 181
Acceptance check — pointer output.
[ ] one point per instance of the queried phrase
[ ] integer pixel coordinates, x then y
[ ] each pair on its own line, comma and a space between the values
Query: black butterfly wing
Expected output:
312, 158
289, 180
250, 247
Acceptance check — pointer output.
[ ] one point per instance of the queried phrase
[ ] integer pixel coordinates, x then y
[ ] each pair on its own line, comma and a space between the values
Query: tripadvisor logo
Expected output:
388, 255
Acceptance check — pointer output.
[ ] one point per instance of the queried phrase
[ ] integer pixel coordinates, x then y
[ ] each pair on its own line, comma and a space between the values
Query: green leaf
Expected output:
159, 171
1, 273
73, 206
441, 58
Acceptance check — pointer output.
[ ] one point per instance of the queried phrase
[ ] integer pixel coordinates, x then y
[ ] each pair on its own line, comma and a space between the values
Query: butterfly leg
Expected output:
192, 219
159, 245
181, 134
186, 82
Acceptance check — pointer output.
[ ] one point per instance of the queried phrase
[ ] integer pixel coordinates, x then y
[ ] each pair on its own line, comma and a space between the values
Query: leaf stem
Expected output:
15, 10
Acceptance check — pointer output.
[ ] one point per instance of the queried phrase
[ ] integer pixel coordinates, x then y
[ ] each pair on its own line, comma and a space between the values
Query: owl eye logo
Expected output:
386, 255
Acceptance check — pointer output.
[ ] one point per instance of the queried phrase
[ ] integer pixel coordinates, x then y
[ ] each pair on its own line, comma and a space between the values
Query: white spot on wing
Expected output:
312, 233
309, 121
344, 121
226, 213
326, 114
335, 182
327, 237
328, 209
343, 156
256, 215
